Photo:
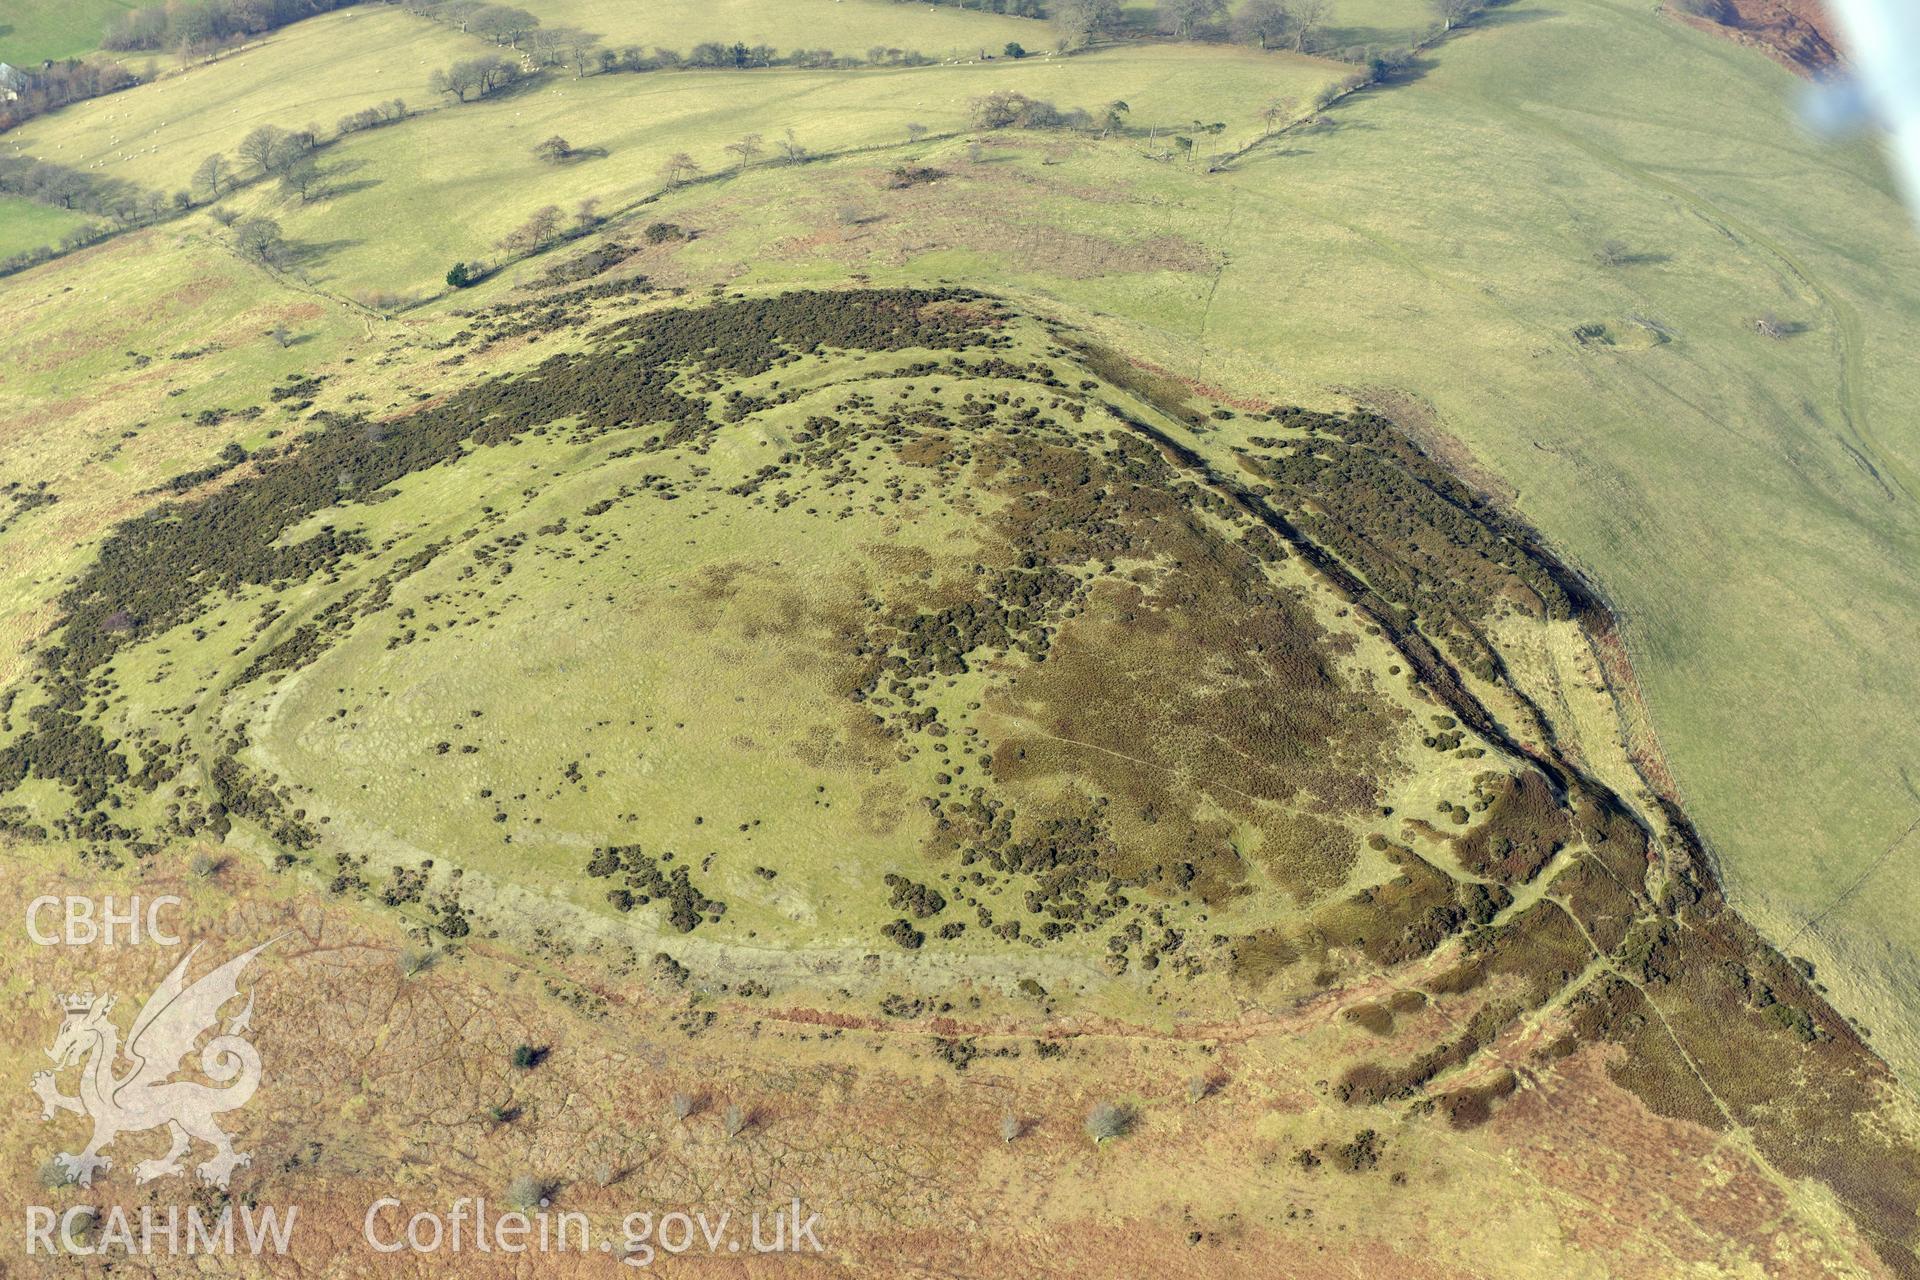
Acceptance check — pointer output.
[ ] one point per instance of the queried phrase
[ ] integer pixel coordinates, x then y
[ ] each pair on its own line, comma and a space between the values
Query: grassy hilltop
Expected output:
1381, 601
905, 641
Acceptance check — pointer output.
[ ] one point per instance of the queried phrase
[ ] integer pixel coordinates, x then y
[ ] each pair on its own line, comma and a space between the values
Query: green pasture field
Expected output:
310, 73
27, 225
34, 30
1349, 23
448, 186
848, 27
1385, 23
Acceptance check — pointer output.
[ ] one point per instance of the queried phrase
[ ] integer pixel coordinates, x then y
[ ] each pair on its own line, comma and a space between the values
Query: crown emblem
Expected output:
78, 1003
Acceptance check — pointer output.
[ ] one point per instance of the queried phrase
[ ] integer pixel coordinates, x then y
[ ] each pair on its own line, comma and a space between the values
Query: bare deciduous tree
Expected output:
472, 78
213, 173
679, 168
1454, 13
304, 179
746, 149
1263, 22
584, 51
536, 231
259, 147
1185, 16
261, 240
503, 24
1079, 21
1307, 16
1278, 109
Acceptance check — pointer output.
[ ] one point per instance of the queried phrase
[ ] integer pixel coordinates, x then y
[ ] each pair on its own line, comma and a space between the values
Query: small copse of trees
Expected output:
271, 149
473, 78
1011, 109
372, 117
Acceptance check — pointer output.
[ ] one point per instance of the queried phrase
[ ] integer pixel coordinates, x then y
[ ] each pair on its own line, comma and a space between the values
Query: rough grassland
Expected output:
1590, 1179
728, 595
1750, 503
707, 695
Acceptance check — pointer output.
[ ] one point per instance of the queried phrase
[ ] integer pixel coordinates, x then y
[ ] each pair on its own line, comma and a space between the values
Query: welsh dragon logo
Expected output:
141, 1095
